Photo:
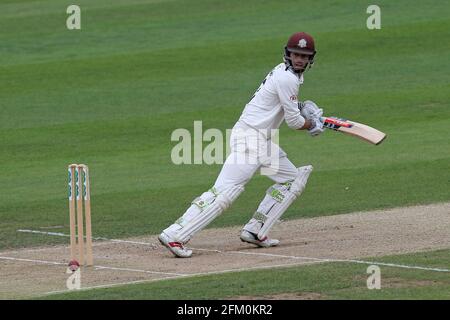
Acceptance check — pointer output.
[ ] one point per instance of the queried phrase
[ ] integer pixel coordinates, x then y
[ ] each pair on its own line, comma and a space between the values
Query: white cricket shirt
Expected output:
275, 101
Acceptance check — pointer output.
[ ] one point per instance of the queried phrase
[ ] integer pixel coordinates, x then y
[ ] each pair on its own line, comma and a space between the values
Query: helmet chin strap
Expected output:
288, 63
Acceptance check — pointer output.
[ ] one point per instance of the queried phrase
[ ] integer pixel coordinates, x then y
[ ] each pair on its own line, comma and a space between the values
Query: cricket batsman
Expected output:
274, 102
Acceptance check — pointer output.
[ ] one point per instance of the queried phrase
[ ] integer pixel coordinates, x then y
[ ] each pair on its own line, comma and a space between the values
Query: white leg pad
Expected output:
278, 198
206, 212
192, 212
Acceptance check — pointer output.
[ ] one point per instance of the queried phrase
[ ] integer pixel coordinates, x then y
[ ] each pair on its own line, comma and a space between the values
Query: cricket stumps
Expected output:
80, 215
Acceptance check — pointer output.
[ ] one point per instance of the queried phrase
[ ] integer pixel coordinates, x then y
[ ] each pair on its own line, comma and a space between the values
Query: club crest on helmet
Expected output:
302, 43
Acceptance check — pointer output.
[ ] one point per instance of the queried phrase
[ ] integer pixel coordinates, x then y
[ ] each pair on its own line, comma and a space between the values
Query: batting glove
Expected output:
310, 110
316, 127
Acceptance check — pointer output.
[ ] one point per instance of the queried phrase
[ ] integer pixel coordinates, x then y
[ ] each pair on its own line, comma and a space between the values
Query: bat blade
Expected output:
355, 129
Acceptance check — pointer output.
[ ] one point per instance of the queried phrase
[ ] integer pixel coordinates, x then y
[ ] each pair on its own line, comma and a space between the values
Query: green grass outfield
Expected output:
334, 280
111, 94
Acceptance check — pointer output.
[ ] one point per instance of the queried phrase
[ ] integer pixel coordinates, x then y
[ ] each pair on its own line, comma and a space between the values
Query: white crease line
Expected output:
59, 234
96, 267
342, 260
60, 247
34, 261
183, 276
330, 260
392, 265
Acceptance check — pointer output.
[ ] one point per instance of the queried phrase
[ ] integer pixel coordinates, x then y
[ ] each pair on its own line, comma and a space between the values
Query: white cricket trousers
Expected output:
250, 151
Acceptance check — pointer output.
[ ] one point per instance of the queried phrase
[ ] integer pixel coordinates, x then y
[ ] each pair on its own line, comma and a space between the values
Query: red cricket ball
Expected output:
74, 265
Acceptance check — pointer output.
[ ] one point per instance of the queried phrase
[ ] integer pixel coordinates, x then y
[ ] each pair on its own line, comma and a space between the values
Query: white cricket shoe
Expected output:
249, 237
177, 248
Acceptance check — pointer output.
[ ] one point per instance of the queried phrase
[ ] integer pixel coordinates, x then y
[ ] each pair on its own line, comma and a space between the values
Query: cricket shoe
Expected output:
249, 237
177, 248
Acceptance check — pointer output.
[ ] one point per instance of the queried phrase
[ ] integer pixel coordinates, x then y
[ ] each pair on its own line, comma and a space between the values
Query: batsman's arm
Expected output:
308, 125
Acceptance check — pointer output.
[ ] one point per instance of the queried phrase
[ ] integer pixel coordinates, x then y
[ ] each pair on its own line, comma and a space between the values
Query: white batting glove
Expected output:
316, 127
310, 110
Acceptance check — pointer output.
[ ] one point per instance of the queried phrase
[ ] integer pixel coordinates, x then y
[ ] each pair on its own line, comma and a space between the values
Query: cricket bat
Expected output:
356, 129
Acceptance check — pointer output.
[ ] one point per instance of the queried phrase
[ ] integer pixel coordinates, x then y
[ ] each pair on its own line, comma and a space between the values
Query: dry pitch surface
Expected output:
37, 271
